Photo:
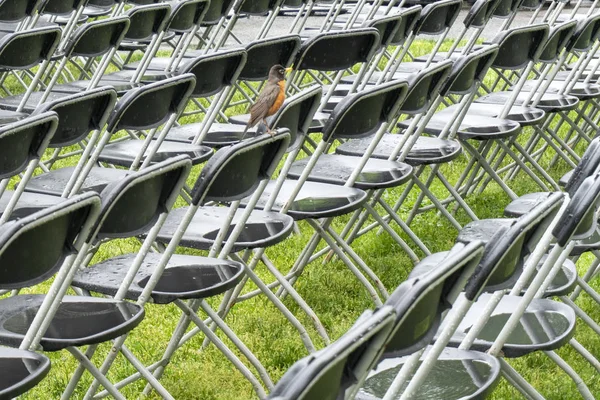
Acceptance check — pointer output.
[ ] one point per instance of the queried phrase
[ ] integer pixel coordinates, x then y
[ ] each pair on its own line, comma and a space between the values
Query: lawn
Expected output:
336, 297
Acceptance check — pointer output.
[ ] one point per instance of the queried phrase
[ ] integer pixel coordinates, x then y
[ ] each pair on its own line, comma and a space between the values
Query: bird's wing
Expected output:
265, 100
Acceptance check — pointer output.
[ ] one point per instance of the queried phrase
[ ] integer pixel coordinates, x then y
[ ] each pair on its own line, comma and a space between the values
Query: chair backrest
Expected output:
217, 9
79, 114
264, 53
409, 18
235, 171
361, 114
60, 7
579, 219
96, 38
132, 205
331, 372
506, 251
24, 141
436, 17
147, 20
296, 114
259, 7
589, 163
469, 70
33, 248
214, 71
506, 8
187, 14
386, 26
26, 49
17, 10
480, 13
586, 34
425, 86
520, 46
558, 38
429, 291
151, 105
335, 51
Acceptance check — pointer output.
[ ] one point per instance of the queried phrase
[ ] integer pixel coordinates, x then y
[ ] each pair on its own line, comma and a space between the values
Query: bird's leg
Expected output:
269, 131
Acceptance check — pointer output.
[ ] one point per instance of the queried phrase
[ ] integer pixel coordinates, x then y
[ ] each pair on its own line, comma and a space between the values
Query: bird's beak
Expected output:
288, 70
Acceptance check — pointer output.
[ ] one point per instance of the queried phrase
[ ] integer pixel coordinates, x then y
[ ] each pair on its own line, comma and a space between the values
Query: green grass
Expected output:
336, 297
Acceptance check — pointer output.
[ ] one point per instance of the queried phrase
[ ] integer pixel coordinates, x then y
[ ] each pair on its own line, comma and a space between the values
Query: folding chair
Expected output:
231, 174
166, 98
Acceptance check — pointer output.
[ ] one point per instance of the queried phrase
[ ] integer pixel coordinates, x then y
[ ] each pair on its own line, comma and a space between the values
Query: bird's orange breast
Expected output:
279, 100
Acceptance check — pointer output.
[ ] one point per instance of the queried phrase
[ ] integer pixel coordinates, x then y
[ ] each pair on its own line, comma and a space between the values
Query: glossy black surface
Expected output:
78, 321
21, 371
185, 277
337, 168
124, 153
53, 182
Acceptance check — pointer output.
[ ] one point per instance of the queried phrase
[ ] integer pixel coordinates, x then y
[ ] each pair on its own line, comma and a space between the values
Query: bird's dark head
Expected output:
277, 72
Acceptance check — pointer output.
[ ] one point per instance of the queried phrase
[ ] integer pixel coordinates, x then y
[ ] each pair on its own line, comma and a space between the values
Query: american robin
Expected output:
270, 99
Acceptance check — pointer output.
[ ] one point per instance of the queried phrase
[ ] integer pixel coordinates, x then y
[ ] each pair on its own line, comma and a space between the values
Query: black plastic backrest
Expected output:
25, 49
235, 171
480, 13
530, 4
469, 70
519, 46
589, 163
217, 10
263, 54
33, 248
420, 300
146, 21
96, 38
79, 114
505, 253
24, 141
425, 86
296, 114
151, 105
506, 8
579, 219
559, 37
410, 17
386, 26
17, 10
334, 51
586, 34
437, 16
187, 14
259, 7
132, 205
214, 71
362, 113
60, 7
329, 373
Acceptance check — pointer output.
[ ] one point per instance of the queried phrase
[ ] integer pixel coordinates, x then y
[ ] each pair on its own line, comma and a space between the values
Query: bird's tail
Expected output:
245, 131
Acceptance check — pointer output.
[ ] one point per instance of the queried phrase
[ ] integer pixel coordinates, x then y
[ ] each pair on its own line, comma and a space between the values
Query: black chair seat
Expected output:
124, 153
262, 229
550, 102
54, 182
525, 116
337, 168
12, 102
524, 204
21, 371
476, 127
142, 45
583, 91
79, 320
564, 282
219, 134
157, 63
457, 374
96, 11
563, 75
28, 203
426, 150
546, 325
120, 81
315, 200
316, 126
186, 277
8, 117
483, 229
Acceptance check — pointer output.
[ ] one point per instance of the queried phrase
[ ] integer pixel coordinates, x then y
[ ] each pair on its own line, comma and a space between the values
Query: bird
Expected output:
270, 98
